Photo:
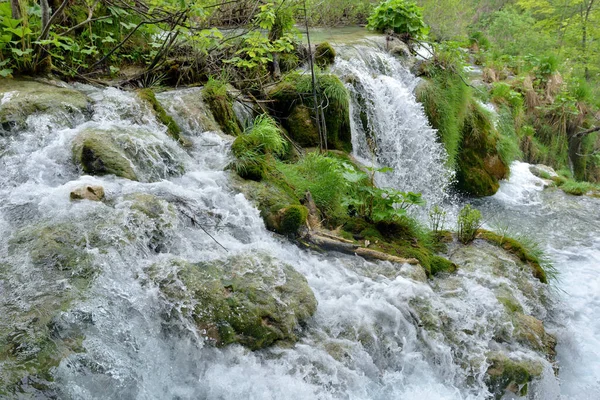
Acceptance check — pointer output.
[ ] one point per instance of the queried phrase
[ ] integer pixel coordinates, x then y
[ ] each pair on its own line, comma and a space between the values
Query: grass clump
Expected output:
527, 250
323, 177
256, 147
576, 188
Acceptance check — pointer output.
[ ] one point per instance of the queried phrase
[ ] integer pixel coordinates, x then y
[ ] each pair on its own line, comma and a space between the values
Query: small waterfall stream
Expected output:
389, 127
381, 331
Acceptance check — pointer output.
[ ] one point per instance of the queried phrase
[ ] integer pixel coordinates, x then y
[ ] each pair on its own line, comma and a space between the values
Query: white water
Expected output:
393, 130
569, 229
367, 339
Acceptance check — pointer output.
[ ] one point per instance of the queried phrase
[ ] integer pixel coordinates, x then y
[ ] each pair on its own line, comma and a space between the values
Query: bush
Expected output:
469, 221
403, 17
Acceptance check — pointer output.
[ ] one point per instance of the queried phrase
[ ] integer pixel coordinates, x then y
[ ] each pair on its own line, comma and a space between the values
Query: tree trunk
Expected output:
16, 9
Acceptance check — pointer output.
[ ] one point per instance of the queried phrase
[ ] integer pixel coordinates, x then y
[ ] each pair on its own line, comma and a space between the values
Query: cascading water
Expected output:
380, 331
569, 228
389, 127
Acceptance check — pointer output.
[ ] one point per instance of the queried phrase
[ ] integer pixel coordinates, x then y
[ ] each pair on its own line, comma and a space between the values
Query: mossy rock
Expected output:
479, 166
220, 102
100, 155
506, 374
297, 88
21, 98
173, 130
516, 248
62, 247
530, 332
291, 219
324, 55
270, 195
254, 300
153, 216
440, 264
135, 154
301, 127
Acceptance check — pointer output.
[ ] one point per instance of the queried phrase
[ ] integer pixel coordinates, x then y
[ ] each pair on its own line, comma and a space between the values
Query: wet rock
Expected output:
20, 98
100, 155
510, 374
254, 300
543, 171
530, 332
88, 192
134, 154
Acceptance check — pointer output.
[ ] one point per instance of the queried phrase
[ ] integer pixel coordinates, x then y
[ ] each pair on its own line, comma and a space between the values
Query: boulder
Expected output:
254, 300
88, 192
20, 98
135, 154
510, 374
324, 55
100, 155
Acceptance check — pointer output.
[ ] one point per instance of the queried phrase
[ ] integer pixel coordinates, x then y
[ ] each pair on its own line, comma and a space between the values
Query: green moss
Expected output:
297, 88
520, 251
221, 104
576, 188
445, 99
301, 127
242, 299
100, 155
147, 95
479, 166
441, 264
324, 55
292, 218
507, 374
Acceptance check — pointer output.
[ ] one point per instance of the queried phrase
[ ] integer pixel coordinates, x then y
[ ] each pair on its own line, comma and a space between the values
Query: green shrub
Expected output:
437, 219
469, 221
401, 16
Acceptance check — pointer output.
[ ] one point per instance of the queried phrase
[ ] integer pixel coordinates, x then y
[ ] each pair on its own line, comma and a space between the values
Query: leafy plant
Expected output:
377, 204
469, 221
437, 219
400, 16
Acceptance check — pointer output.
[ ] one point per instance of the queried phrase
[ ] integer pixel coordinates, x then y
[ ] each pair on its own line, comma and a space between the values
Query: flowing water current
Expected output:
366, 340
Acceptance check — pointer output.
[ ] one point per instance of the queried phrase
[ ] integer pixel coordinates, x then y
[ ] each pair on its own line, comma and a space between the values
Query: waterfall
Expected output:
381, 330
389, 127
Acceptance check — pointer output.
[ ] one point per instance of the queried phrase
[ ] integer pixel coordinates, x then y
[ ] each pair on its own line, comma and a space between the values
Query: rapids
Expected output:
367, 339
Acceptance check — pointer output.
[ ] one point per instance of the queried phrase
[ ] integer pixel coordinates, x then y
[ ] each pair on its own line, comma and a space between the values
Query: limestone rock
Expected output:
509, 374
20, 98
88, 192
254, 300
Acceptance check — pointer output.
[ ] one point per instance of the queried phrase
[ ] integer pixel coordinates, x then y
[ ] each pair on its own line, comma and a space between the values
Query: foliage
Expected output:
437, 220
469, 221
323, 177
256, 146
377, 204
403, 17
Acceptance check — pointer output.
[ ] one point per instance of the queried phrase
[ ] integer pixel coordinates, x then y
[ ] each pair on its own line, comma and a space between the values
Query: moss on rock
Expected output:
22, 98
220, 102
506, 374
292, 218
100, 155
479, 166
295, 88
253, 300
301, 127
519, 250
324, 55
173, 130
